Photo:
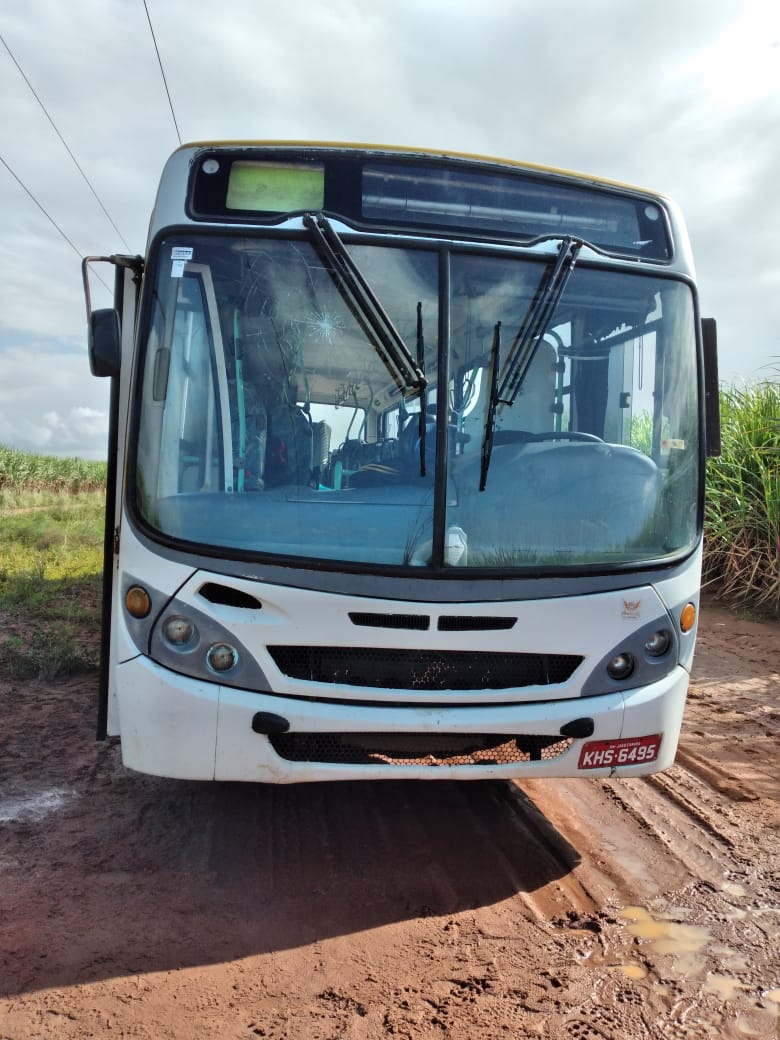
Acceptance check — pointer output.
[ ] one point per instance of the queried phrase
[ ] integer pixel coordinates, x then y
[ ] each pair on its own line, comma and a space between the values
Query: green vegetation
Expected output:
742, 517
22, 473
51, 540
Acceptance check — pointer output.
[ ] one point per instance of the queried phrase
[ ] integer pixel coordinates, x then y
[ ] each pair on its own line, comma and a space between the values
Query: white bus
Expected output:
406, 470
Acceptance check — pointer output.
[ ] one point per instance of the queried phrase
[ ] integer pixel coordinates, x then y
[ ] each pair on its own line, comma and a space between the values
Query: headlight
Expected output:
620, 667
221, 657
179, 632
658, 643
189, 641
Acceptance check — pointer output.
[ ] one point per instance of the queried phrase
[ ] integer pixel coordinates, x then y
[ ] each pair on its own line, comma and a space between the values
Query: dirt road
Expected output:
571, 910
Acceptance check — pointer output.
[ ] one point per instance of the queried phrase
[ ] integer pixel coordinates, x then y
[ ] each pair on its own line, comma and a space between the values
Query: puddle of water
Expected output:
724, 986
682, 941
631, 970
32, 807
732, 960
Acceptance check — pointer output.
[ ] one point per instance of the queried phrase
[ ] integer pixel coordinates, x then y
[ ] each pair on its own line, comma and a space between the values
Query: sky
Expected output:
679, 96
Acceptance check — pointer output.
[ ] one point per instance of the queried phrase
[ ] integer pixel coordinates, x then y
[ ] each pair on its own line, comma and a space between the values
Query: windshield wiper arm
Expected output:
537, 320
490, 421
530, 334
423, 417
362, 301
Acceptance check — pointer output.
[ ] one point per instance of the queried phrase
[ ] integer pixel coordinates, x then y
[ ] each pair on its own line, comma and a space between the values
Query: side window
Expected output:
184, 443
187, 460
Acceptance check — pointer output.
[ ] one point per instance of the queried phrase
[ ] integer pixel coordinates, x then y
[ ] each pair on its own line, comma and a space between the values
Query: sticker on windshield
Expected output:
179, 257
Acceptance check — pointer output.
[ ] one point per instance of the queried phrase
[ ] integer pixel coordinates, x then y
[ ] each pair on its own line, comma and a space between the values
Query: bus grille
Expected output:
393, 669
417, 749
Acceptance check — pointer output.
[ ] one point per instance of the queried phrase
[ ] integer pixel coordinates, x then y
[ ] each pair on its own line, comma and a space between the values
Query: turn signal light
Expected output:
687, 617
138, 601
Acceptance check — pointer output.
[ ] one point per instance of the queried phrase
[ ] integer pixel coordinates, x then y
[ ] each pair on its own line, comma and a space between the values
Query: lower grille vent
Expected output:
417, 749
394, 669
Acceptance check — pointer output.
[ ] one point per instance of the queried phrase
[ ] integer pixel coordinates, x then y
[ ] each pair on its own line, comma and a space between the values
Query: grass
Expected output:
51, 544
742, 514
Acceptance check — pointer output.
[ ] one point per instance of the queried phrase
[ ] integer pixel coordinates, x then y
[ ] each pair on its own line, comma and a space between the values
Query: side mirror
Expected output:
104, 342
709, 335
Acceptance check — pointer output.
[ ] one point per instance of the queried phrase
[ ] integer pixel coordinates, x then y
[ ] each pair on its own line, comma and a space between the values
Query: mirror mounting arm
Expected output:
103, 327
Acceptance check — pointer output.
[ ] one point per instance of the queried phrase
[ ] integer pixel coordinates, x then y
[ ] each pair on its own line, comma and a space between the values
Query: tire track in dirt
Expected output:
720, 779
373, 853
698, 890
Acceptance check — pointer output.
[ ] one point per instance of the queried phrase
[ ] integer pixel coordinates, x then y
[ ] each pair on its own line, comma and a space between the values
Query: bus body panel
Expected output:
174, 726
169, 727
587, 627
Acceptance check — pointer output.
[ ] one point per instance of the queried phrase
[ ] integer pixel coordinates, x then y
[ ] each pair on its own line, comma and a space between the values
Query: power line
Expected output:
162, 71
48, 216
64, 142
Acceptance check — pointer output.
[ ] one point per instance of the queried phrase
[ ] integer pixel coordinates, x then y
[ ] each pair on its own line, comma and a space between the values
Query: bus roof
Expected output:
379, 149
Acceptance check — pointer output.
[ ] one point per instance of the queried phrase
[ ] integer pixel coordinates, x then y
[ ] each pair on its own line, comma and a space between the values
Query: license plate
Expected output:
630, 751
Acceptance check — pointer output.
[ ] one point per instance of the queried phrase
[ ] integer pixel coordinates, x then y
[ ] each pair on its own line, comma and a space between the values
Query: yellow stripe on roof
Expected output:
424, 152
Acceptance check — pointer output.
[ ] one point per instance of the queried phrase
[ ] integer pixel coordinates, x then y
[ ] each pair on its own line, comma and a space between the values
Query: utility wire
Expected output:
51, 219
162, 71
64, 142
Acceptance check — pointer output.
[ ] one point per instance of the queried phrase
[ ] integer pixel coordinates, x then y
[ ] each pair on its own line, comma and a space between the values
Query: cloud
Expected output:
680, 97
49, 402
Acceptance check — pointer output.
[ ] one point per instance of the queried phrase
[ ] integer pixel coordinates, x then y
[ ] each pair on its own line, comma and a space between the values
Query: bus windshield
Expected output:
274, 421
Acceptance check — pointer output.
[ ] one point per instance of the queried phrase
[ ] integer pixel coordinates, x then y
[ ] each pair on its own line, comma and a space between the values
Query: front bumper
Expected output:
175, 726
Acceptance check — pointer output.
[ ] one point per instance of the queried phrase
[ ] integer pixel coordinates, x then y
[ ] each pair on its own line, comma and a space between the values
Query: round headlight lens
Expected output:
621, 666
658, 643
221, 657
179, 631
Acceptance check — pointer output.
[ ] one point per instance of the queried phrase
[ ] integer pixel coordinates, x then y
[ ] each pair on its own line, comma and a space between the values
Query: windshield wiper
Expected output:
490, 421
423, 418
362, 301
505, 388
